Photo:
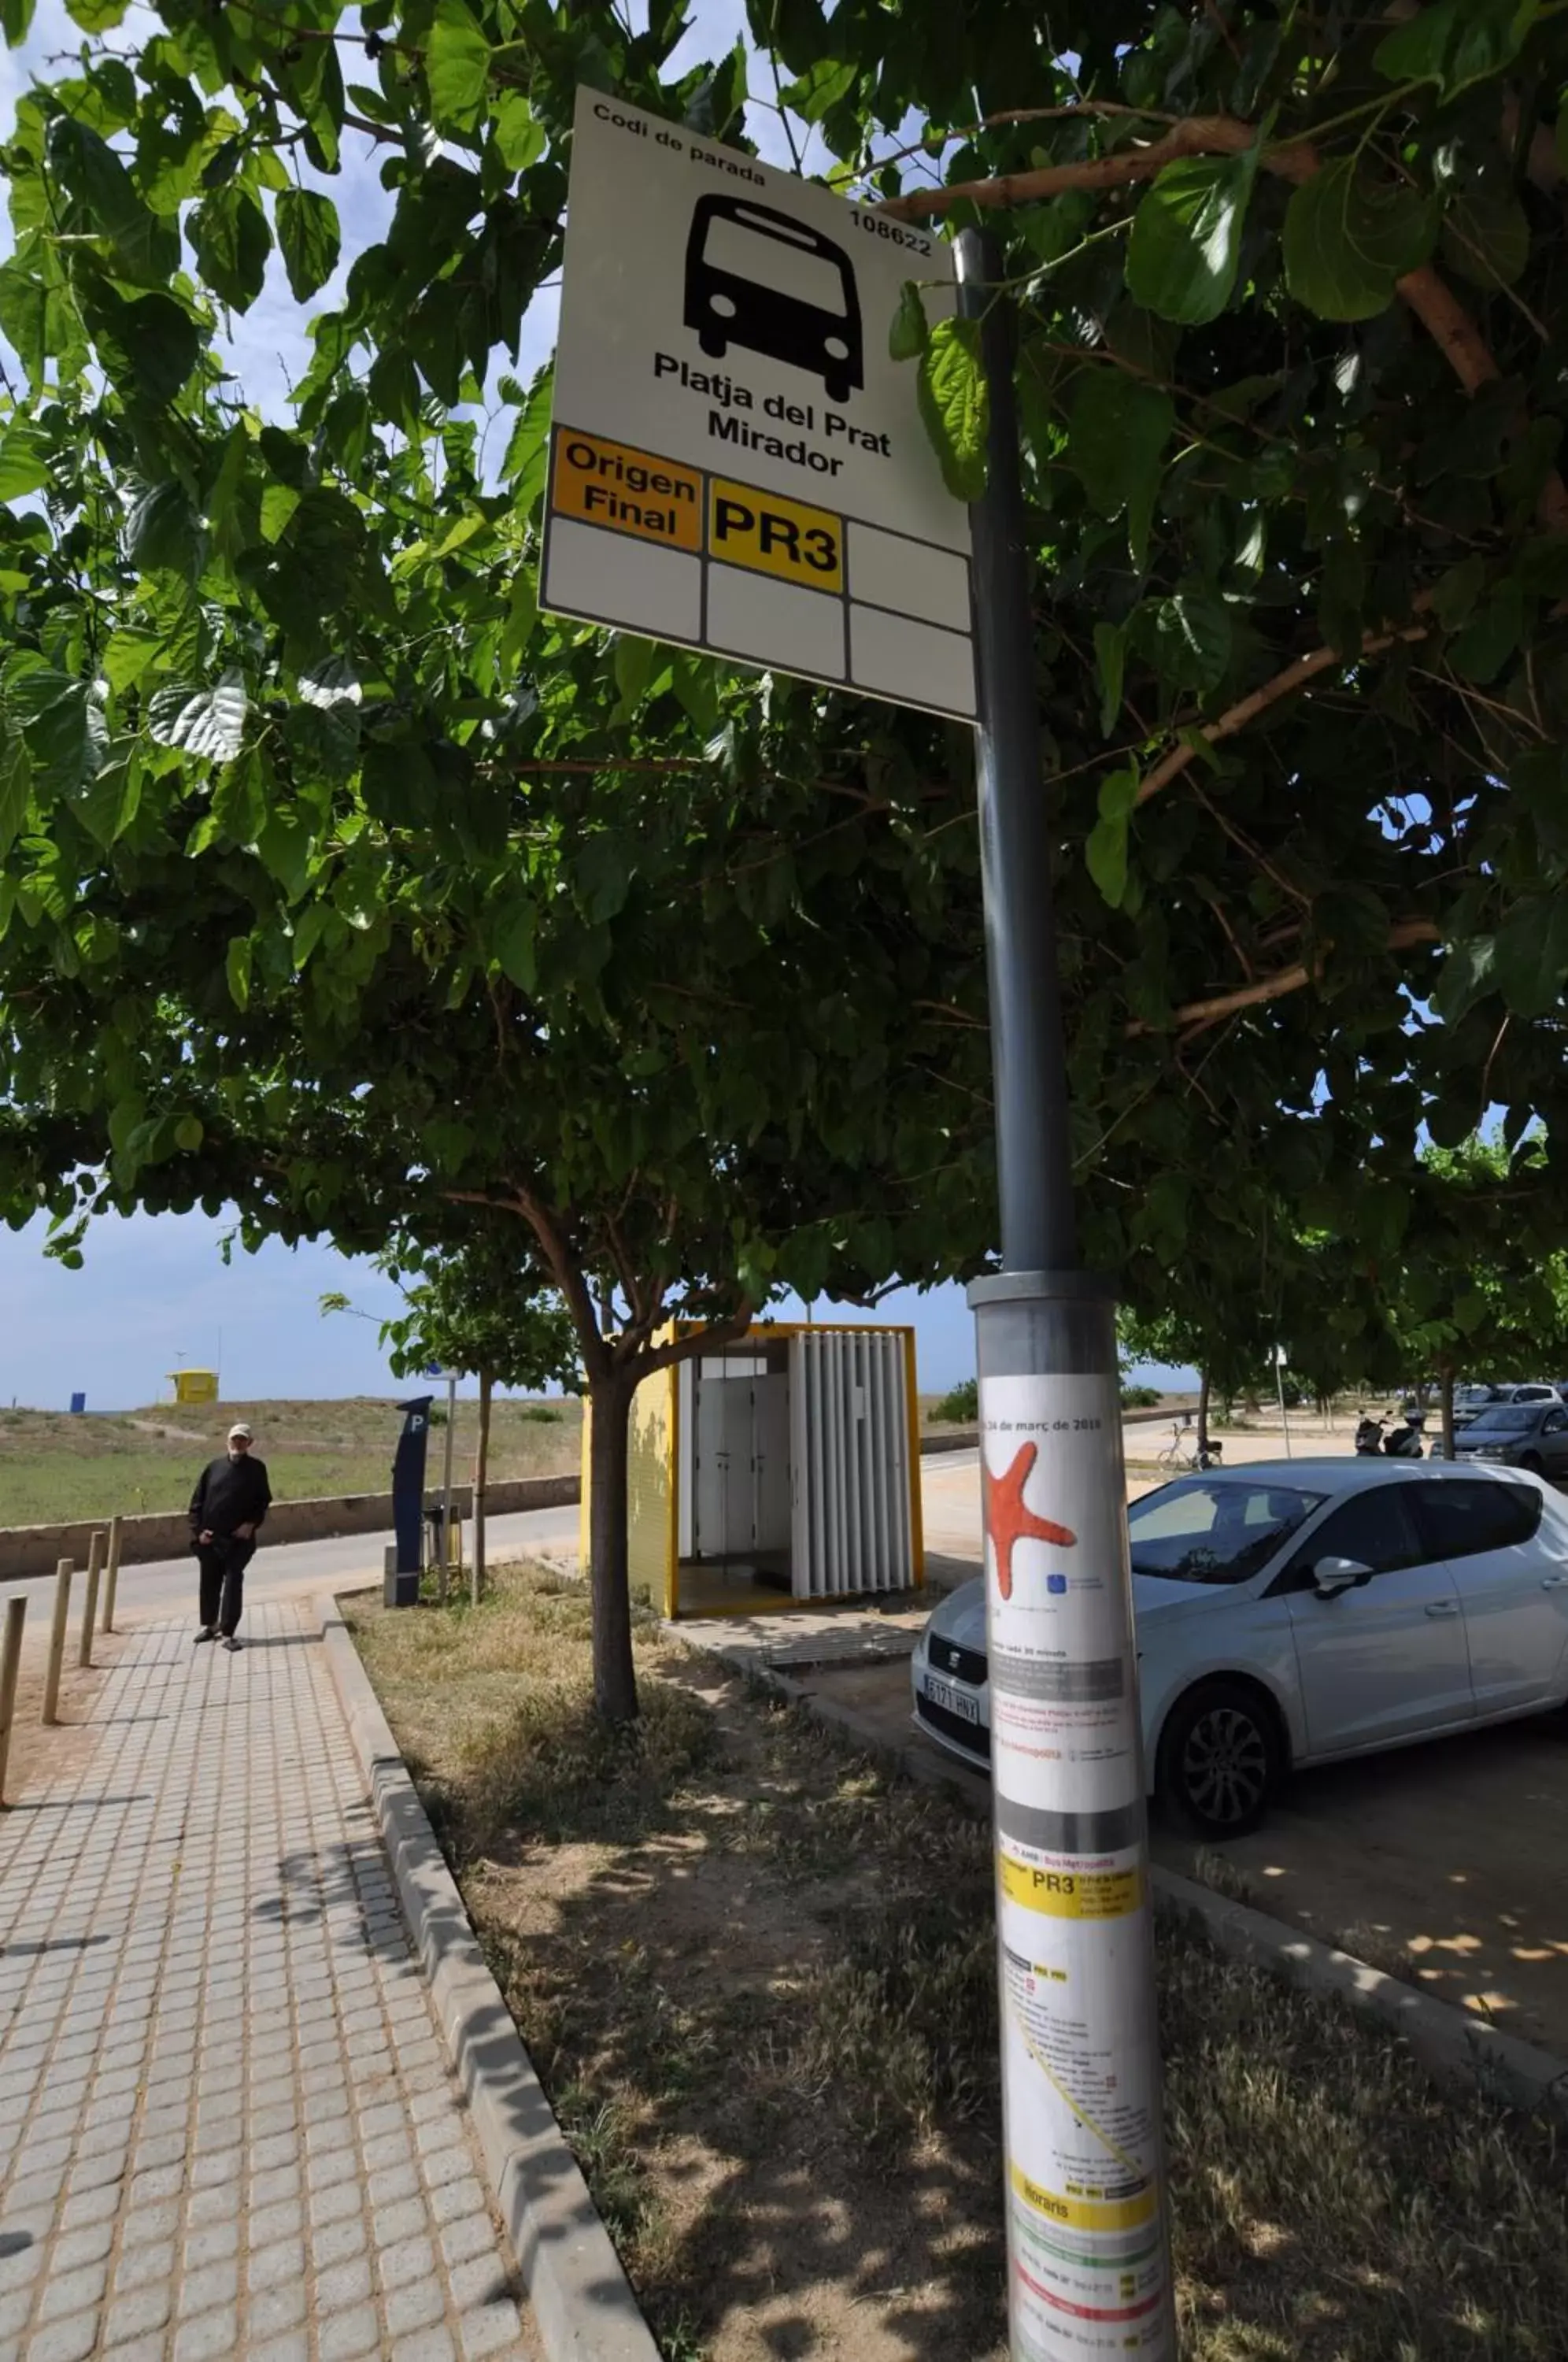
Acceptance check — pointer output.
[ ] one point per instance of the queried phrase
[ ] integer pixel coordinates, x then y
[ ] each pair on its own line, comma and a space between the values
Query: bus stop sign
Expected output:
736, 462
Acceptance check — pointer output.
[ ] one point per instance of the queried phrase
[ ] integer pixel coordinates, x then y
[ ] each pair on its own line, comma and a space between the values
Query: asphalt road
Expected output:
294, 1569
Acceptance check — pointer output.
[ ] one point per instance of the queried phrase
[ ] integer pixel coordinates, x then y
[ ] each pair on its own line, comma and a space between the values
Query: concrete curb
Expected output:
581, 2298
1450, 2044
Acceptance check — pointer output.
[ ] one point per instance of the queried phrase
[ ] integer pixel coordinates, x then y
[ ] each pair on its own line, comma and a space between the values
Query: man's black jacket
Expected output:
230, 1493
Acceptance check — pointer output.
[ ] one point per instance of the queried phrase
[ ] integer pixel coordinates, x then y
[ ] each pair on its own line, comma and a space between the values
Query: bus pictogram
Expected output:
758, 278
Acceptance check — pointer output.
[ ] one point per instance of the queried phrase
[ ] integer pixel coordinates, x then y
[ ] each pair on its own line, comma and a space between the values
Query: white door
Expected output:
1506, 1549
770, 1451
1387, 1658
725, 1521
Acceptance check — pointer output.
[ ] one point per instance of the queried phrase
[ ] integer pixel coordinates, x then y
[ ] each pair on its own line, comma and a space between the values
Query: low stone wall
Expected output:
36, 1549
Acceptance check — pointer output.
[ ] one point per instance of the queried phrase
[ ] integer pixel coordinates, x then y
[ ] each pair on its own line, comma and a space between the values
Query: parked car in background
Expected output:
1536, 1391
1301, 1611
1469, 1402
1529, 1431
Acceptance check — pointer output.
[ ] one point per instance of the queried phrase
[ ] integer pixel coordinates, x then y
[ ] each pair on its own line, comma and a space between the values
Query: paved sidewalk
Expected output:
227, 2125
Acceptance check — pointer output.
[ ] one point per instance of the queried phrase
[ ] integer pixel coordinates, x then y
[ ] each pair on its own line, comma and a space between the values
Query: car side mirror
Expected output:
1332, 1576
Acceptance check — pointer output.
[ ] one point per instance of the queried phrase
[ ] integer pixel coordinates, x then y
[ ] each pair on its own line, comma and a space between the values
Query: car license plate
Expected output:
943, 1693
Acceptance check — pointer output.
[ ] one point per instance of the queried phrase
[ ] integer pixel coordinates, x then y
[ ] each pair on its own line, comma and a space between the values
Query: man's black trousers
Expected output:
223, 1563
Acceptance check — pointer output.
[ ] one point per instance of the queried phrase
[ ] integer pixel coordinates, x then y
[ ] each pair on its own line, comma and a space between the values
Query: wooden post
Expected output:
10, 1666
58, 1623
112, 1571
90, 1604
481, 1471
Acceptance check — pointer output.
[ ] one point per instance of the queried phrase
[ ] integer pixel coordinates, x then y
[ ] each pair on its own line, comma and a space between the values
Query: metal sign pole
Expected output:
1089, 2242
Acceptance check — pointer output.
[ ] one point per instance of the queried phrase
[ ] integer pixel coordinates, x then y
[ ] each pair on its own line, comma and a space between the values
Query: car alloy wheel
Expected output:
1219, 1761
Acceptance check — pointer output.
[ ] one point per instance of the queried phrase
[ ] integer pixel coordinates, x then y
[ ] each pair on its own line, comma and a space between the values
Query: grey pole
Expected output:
1088, 2227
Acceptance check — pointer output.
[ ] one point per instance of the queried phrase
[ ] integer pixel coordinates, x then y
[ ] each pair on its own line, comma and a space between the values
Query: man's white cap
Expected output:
239, 1428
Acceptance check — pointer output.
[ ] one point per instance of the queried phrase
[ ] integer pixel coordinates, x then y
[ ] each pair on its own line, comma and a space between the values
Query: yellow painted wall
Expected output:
650, 1488
650, 1485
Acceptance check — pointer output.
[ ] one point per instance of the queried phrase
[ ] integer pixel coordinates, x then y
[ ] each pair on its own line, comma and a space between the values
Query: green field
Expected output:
54, 1467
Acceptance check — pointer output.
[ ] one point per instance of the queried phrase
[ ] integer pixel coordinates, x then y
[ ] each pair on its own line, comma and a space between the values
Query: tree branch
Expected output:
1432, 301
1236, 717
1194, 1015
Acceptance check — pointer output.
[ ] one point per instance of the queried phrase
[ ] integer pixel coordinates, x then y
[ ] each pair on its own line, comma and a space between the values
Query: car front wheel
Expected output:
1219, 1760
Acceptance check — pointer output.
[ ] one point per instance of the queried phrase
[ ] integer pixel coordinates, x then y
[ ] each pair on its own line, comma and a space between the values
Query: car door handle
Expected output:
1443, 1608
1554, 1581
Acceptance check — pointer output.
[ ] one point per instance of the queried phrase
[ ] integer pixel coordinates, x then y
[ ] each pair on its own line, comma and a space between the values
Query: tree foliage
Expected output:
336, 883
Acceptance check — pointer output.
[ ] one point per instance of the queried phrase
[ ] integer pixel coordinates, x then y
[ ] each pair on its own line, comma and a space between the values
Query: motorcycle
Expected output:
1404, 1442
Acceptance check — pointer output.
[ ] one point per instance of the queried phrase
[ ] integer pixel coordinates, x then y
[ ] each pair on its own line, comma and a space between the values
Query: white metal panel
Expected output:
882, 1575
898, 1462
800, 1472
770, 1452
685, 1482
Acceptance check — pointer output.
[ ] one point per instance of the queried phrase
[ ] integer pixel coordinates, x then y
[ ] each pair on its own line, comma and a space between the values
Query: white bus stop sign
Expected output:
736, 462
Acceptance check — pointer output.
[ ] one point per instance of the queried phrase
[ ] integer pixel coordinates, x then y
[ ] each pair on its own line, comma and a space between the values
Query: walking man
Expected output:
230, 1500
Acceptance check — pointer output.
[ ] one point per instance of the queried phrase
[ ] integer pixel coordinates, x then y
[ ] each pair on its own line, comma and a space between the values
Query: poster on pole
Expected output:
737, 464
1080, 2062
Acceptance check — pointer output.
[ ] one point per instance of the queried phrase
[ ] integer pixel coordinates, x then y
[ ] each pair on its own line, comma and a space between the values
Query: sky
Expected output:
154, 1292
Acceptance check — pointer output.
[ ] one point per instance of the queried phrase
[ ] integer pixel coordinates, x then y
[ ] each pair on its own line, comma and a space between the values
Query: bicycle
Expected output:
1183, 1451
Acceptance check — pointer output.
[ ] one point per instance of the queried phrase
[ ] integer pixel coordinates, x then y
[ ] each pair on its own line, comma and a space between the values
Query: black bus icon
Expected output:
757, 279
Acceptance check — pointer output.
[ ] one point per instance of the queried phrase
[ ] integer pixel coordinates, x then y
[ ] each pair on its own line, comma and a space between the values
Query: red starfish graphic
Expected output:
1009, 1520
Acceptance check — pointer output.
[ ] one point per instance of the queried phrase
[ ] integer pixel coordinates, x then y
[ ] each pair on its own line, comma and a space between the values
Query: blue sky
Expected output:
154, 1291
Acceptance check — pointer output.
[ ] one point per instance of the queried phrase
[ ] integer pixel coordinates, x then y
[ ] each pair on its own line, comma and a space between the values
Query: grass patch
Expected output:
757, 1976
54, 1467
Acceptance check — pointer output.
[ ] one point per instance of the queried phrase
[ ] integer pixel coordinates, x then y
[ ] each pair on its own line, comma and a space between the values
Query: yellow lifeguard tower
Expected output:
194, 1386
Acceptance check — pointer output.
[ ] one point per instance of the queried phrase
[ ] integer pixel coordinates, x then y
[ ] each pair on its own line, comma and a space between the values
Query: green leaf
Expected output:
97, 15
189, 1133
1490, 637
1456, 42
61, 720
1485, 237
128, 654
149, 346
206, 722
1348, 238
955, 405
1192, 638
1118, 430
635, 663
1531, 958
823, 87
907, 337
237, 967
514, 946
306, 224
457, 67
16, 783
1110, 661
161, 533
1106, 850
147, 249
24, 319
520, 137
279, 502
24, 461
232, 242
1186, 244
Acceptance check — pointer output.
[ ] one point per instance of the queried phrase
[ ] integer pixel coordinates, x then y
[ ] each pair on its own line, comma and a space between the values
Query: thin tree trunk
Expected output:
615, 1677
481, 1474
1203, 1410
1446, 1382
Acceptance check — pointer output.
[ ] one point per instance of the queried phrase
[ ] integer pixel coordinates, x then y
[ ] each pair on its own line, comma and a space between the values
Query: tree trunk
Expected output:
481, 1476
615, 1678
1446, 1382
1203, 1410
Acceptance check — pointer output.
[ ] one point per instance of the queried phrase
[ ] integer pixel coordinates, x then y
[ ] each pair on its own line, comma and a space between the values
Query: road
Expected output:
295, 1569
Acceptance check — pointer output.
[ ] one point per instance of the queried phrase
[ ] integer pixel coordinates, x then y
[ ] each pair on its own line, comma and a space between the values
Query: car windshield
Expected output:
1508, 1419
1204, 1529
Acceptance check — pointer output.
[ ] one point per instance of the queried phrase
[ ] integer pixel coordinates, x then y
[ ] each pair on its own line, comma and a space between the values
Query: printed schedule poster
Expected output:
736, 462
